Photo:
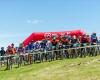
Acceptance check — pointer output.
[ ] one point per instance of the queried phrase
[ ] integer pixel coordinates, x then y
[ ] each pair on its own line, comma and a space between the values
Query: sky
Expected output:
19, 18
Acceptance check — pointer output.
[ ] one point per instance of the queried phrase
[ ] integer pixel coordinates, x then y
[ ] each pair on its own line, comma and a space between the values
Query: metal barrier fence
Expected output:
35, 56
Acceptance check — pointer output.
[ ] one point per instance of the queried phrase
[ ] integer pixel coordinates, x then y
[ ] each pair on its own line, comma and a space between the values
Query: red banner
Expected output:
35, 36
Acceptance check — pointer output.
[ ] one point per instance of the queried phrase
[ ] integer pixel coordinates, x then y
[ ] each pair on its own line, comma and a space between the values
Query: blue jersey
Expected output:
36, 46
93, 38
30, 46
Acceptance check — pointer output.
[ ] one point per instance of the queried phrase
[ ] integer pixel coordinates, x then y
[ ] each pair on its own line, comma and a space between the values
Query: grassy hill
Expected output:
68, 69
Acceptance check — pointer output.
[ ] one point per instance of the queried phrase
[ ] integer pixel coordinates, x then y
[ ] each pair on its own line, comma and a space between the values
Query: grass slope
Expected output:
68, 69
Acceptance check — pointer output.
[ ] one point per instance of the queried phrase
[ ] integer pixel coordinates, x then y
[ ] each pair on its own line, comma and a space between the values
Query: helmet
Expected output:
84, 34
53, 37
94, 33
37, 42
21, 45
60, 36
12, 44
64, 36
9, 46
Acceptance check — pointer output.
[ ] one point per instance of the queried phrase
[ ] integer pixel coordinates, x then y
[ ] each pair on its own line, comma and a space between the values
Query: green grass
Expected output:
68, 69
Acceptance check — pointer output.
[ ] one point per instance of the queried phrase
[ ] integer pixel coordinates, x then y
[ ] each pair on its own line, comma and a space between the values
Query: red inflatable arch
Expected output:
35, 36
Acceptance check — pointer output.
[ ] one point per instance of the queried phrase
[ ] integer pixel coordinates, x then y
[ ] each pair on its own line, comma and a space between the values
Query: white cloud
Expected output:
28, 21
36, 21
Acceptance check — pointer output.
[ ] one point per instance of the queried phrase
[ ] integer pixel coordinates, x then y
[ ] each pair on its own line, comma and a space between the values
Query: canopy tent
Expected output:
36, 36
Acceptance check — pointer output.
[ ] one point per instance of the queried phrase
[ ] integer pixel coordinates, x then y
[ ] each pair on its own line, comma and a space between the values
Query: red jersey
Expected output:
54, 42
88, 39
11, 51
85, 40
65, 41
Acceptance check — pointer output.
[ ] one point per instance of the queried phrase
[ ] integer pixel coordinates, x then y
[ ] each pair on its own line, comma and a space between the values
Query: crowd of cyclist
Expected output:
44, 45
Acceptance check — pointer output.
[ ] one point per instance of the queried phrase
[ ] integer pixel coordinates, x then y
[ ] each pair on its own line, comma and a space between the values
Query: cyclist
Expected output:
94, 39
74, 41
54, 42
65, 42
84, 40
